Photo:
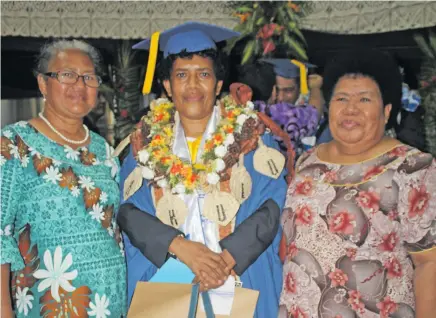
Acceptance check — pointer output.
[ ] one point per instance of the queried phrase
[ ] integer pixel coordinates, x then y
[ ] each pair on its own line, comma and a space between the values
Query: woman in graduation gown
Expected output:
185, 151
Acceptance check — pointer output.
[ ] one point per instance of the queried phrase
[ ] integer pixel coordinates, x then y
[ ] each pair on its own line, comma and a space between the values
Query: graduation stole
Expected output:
223, 230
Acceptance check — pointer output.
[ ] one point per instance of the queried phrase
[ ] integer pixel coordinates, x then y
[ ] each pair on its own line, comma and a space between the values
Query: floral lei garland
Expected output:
166, 170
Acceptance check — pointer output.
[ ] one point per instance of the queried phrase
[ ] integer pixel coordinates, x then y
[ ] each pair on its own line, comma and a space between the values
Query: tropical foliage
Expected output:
123, 91
270, 26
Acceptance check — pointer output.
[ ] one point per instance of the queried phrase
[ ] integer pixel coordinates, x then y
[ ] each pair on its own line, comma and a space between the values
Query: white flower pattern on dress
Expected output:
75, 191
25, 161
121, 245
33, 152
22, 123
14, 151
24, 300
7, 134
143, 156
97, 212
7, 231
55, 275
52, 174
110, 160
100, 306
71, 153
103, 197
86, 183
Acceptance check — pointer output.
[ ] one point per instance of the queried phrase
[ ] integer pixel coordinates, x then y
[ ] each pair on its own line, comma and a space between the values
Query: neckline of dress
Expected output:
315, 153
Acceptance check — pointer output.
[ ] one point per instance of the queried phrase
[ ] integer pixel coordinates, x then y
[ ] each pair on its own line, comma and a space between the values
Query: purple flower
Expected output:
297, 121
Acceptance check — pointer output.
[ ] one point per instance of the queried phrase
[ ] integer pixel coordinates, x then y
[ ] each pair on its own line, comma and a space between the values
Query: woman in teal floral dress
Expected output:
61, 254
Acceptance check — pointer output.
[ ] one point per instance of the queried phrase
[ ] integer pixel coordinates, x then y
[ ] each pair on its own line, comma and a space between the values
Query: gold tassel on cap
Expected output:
303, 76
152, 57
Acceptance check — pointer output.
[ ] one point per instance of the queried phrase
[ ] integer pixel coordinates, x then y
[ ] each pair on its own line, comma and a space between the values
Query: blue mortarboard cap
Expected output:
285, 68
189, 36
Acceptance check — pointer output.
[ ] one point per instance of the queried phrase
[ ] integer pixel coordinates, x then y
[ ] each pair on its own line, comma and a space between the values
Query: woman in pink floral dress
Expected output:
360, 217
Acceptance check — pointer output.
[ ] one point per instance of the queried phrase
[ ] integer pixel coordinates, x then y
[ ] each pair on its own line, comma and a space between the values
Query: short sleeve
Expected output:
11, 179
416, 179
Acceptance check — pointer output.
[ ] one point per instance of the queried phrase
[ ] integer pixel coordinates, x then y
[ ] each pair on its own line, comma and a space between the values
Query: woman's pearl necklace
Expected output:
74, 142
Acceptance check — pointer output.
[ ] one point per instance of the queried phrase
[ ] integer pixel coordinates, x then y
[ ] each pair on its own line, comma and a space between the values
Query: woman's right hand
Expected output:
208, 266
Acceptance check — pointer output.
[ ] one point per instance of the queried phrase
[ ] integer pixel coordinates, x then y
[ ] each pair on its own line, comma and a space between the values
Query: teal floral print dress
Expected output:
58, 230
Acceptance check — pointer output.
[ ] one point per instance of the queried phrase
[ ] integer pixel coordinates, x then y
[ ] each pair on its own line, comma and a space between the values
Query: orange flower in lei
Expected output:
168, 170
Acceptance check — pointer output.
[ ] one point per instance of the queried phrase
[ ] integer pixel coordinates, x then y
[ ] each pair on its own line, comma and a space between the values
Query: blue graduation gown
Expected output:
264, 275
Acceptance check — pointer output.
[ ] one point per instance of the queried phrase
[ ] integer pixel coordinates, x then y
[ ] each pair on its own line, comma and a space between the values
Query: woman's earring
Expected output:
43, 98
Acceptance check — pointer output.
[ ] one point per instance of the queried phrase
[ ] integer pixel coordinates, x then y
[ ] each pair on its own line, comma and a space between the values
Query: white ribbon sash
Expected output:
196, 227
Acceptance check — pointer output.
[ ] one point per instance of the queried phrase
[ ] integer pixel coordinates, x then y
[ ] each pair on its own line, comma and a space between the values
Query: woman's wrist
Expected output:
175, 245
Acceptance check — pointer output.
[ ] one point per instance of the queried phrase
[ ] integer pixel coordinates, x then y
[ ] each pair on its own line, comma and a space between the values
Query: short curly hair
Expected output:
218, 58
375, 64
49, 50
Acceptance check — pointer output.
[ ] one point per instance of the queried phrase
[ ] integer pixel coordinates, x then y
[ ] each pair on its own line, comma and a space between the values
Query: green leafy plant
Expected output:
268, 26
428, 87
123, 90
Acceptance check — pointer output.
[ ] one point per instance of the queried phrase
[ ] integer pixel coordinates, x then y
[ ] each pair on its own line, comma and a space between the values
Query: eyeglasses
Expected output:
69, 77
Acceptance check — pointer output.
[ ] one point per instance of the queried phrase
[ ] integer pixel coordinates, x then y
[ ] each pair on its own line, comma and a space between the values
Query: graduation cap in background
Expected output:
190, 37
291, 69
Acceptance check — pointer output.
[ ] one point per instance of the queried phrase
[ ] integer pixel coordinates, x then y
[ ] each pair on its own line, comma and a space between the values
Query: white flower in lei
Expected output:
213, 178
221, 151
99, 308
52, 174
241, 120
24, 301
219, 165
143, 156
230, 139
157, 102
86, 182
71, 153
55, 275
179, 188
147, 173
162, 183
250, 105
97, 212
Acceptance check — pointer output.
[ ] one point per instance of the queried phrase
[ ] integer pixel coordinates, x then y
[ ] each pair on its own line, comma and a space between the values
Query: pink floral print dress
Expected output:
349, 230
